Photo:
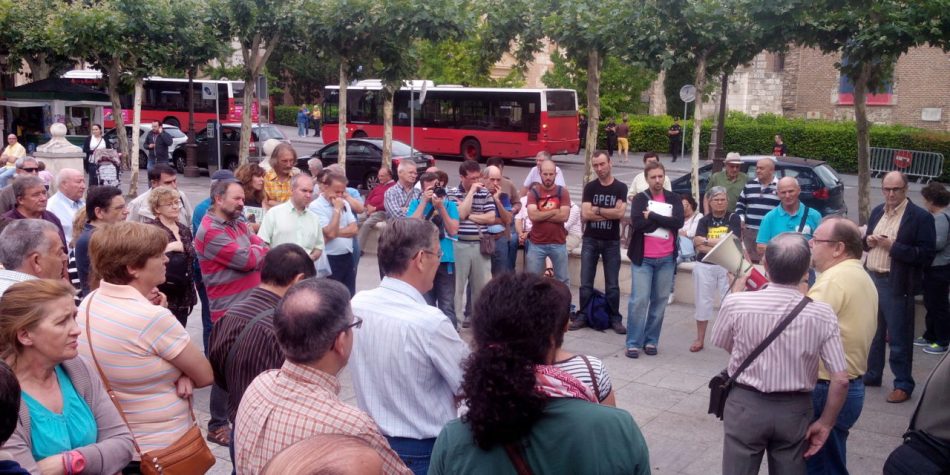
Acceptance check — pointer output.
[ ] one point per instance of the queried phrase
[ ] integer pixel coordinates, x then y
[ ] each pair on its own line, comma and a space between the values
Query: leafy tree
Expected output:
622, 83
28, 37
258, 26
872, 35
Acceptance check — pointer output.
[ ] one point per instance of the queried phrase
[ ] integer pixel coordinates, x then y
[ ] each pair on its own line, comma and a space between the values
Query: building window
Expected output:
846, 91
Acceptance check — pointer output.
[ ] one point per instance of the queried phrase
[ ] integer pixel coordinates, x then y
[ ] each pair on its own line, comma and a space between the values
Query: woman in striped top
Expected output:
590, 370
145, 354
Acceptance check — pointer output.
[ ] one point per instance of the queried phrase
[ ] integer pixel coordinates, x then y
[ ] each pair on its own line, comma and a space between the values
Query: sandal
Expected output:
650, 350
549, 272
696, 346
632, 353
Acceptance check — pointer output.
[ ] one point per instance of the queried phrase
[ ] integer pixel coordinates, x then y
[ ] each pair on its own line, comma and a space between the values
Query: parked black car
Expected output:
230, 145
365, 156
822, 189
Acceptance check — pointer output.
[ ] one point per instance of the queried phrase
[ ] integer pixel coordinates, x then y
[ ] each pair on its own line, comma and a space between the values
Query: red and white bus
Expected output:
166, 100
467, 121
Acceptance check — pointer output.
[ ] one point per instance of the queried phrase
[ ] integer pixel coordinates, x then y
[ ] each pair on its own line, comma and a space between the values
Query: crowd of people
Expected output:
103, 384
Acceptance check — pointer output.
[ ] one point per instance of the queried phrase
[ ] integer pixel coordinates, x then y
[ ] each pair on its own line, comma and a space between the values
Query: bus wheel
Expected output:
359, 134
173, 121
471, 150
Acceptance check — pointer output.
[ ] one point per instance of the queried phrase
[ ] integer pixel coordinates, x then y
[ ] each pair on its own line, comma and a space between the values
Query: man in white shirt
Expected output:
339, 227
534, 175
159, 175
71, 186
639, 183
407, 358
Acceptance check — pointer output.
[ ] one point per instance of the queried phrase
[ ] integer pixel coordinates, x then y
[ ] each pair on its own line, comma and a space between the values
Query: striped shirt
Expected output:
230, 257
790, 363
482, 203
406, 361
397, 199
879, 259
135, 343
259, 350
576, 367
282, 407
756, 201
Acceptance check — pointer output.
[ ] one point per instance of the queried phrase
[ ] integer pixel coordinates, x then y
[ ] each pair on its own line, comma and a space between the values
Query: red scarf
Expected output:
555, 383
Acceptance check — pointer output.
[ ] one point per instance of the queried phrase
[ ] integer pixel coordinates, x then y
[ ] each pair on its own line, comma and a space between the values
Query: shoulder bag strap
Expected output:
517, 459
593, 377
801, 225
769, 339
105, 380
244, 331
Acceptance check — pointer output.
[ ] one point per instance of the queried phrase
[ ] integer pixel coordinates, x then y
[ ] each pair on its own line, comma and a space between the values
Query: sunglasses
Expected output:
30, 169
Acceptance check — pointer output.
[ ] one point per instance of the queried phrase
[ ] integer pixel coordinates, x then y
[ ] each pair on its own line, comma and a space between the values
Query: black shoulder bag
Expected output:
721, 384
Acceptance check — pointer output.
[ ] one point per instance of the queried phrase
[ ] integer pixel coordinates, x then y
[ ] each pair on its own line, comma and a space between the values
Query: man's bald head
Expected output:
787, 258
327, 454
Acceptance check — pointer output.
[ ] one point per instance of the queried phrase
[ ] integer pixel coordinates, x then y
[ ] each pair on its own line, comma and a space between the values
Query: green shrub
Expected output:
831, 141
286, 115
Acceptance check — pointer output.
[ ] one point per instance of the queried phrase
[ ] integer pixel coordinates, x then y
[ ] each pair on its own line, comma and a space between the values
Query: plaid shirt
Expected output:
274, 188
282, 407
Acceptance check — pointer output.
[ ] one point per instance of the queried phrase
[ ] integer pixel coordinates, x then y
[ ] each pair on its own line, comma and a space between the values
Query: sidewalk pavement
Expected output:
668, 396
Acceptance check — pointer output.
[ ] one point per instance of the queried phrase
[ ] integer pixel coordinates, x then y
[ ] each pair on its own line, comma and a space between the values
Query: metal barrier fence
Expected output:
922, 166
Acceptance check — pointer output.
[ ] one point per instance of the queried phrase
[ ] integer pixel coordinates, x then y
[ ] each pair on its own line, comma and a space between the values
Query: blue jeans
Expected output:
414, 453
895, 319
442, 294
500, 259
343, 271
832, 458
513, 249
536, 253
302, 129
591, 251
650, 290
5, 175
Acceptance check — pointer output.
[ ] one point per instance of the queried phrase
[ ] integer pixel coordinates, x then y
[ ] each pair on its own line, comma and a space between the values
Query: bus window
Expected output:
438, 113
473, 113
507, 115
362, 106
331, 106
560, 103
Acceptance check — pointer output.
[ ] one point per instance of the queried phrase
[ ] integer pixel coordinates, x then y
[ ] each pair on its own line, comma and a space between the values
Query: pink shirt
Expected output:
654, 247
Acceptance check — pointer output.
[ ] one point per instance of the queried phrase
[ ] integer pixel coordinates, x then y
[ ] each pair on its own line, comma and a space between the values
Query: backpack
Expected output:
106, 163
597, 311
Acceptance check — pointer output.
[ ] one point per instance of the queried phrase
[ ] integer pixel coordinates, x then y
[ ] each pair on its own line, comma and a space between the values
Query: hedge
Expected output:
286, 115
831, 141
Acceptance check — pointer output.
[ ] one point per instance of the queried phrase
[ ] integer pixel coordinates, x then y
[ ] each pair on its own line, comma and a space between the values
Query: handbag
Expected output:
486, 243
721, 384
177, 270
186, 456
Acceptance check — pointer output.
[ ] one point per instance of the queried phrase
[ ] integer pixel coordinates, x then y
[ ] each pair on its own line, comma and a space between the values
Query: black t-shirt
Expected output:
604, 197
779, 150
678, 137
711, 227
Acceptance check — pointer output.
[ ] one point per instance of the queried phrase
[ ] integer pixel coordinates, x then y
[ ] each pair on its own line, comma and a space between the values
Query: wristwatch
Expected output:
598, 211
73, 462
705, 242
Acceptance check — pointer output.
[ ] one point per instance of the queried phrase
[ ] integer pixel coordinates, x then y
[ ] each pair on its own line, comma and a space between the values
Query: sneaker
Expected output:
935, 349
578, 322
669, 301
921, 341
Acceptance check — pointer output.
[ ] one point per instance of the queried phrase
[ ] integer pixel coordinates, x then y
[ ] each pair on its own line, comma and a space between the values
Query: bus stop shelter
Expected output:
30, 109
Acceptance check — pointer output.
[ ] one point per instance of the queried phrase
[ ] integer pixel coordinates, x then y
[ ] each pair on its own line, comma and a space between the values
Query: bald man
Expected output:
68, 200
791, 216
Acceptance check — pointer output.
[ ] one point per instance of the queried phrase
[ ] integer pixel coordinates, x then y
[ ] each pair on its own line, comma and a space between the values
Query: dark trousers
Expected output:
343, 271
832, 458
218, 409
592, 250
675, 148
500, 260
936, 288
895, 320
442, 294
415, 453
757, 423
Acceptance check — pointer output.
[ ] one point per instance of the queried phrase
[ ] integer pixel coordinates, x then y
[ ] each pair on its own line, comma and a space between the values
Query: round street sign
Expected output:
688, 93
903, 158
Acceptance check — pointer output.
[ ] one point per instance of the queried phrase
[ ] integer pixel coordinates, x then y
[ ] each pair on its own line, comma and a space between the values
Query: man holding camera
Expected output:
432, 206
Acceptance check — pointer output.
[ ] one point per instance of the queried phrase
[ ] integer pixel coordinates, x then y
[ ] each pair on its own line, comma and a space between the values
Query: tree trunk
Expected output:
389, 94
594, 64
719, 154
864, 144
191, 159
136, 121
249, 84
700, 83
341, 147
112, 78
39, 68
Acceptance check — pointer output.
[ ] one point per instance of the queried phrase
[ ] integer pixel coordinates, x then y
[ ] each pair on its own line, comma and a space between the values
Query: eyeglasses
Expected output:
894, 190
440, 253
31, 169
357, 323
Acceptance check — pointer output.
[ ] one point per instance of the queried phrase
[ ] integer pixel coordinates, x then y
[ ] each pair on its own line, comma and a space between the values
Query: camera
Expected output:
439, 191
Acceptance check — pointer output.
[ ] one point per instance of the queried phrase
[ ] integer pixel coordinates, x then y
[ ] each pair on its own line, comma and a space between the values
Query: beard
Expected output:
234, 214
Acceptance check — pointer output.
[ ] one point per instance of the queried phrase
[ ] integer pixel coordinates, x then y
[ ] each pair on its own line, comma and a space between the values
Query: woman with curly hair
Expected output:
524, 414
251, 176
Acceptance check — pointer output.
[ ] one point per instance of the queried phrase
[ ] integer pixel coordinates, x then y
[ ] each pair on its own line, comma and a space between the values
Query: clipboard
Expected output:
662, 209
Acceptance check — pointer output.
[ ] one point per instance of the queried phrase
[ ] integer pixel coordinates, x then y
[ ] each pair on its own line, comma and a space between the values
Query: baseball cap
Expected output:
222, 175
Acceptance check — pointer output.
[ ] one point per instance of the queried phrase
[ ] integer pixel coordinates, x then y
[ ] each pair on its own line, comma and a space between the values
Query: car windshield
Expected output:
828, 175
401, 149
267, 133
175, 132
